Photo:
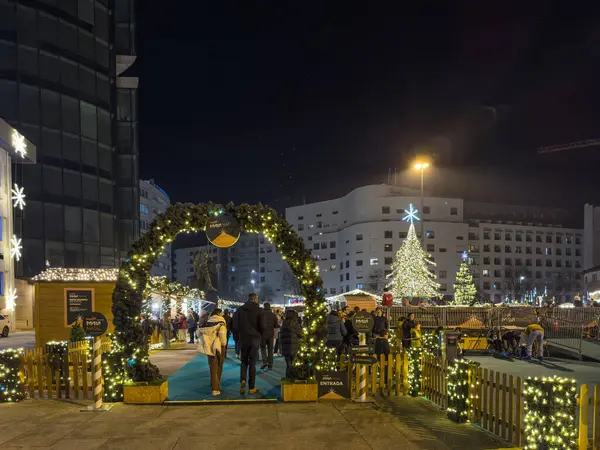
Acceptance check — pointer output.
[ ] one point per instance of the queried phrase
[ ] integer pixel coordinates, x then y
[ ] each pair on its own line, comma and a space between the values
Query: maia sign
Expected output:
223, 230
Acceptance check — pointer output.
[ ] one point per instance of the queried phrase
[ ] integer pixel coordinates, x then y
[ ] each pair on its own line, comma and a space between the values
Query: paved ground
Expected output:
583, 371
18, 339
406, 424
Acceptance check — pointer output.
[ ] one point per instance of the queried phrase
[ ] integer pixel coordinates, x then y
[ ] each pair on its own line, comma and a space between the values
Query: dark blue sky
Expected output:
273, 101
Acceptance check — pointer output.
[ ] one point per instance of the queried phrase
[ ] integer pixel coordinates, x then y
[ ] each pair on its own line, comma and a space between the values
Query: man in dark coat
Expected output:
380, 323
407, 326
268, 337
249, 326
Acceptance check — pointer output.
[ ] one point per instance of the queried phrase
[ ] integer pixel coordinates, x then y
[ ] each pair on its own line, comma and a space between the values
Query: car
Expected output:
4, 325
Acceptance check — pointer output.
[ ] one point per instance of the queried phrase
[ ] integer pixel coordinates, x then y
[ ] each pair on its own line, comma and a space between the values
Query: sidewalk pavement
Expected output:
403, 424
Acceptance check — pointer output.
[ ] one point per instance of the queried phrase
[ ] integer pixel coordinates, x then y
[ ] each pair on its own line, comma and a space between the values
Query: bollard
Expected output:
97, 378
362, 377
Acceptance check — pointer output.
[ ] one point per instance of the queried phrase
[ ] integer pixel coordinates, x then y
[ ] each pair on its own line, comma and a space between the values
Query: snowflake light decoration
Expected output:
411, 214
11, 299
15, 247
464, 256
18, 142
18, 197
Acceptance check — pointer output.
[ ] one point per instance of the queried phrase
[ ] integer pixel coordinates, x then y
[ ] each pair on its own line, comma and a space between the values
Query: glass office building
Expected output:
62, 86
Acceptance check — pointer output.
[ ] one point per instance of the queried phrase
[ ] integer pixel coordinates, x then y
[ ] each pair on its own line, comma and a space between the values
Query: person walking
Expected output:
268, 337
289, 339
336, 331
227, 317
236, 338
215, 362
278, 324
249, 325
191, 326
165, 326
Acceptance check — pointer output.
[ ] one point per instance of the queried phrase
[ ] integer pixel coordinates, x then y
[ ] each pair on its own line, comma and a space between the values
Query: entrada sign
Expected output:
363, 322
95, 324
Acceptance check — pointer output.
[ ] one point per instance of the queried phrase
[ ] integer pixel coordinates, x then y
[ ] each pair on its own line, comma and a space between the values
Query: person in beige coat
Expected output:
215, 363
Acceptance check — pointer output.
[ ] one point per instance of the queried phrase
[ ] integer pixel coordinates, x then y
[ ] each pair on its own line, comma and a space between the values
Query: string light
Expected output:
550, 409
459, 375
58, 274
10, 381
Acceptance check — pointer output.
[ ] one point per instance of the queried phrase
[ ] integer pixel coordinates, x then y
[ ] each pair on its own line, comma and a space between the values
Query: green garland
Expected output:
415, 372
128, 295
550, 410
10, 381
458, 389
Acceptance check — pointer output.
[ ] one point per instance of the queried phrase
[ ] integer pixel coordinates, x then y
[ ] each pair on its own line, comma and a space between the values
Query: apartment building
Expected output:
355, 238
251, 265
155, 201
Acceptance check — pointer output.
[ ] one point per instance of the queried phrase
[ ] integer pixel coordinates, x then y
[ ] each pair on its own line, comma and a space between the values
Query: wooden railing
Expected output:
497, 404
50, 375
386, 377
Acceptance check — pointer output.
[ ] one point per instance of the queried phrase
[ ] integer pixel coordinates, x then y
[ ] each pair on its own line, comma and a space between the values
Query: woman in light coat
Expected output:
215, 362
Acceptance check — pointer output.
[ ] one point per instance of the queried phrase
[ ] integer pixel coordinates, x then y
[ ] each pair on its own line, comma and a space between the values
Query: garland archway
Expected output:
128, 295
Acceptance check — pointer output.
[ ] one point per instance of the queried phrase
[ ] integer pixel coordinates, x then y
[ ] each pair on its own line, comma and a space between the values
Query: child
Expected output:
382, 347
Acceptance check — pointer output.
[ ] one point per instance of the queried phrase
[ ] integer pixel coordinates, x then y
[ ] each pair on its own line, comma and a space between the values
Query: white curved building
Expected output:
512, 253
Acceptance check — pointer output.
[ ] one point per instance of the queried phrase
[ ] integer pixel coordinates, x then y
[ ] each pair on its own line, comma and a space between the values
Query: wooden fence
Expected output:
66, 375
496, 401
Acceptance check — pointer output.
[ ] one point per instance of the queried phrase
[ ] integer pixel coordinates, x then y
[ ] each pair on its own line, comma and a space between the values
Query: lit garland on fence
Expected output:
10, 381
133, 277
459, 374
550, 408
114, 371
415, 372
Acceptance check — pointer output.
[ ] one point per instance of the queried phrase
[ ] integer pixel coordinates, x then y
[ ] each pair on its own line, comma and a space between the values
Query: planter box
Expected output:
298, 392
145, 393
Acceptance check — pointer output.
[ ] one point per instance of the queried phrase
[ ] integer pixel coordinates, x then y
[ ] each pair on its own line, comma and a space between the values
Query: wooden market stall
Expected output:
61, 295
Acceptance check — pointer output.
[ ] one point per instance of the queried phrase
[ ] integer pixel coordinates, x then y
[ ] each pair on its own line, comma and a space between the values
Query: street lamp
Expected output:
422, 166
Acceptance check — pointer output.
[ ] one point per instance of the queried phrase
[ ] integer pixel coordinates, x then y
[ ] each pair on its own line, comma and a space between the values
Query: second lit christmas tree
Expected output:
464, 288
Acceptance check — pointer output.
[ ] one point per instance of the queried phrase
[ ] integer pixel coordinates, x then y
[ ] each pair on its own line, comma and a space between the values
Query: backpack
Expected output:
208, 340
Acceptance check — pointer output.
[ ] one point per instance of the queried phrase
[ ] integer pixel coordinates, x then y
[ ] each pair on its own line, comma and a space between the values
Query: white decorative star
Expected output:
15, 247
18, 142
464, 255
411, 214
11, 299
18, 197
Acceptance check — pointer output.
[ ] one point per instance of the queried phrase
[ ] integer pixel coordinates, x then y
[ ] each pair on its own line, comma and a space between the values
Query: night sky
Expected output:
276, 101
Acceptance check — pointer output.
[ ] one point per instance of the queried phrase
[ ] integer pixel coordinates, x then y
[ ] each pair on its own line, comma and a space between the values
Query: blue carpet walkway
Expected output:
192, 381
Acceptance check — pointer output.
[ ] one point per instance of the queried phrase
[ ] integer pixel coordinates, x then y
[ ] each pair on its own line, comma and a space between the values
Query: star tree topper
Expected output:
18, 197
411, 214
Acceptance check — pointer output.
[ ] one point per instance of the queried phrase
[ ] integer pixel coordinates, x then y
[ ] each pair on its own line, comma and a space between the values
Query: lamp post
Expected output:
422, 166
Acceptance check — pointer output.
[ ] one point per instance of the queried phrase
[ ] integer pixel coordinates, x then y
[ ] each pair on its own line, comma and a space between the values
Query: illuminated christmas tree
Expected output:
464, 288
410, 275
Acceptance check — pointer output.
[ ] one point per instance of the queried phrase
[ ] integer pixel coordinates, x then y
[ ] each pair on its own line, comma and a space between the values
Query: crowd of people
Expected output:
266, 332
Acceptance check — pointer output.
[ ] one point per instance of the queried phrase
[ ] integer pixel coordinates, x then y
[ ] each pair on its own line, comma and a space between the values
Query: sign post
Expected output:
363, 323
96, 325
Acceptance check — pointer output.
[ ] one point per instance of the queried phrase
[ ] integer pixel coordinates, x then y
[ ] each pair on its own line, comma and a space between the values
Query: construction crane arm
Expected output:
570, 145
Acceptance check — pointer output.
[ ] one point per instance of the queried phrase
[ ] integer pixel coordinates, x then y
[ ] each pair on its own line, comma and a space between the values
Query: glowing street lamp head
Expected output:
421, 166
